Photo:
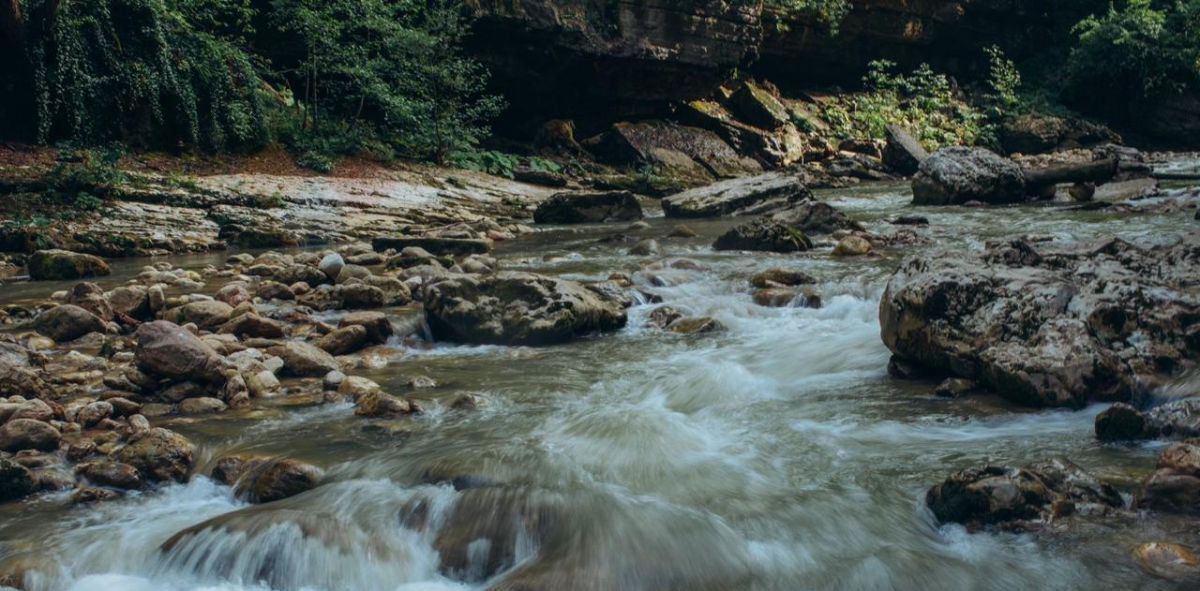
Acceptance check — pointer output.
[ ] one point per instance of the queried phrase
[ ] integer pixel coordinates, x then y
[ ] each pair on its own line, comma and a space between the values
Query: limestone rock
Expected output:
67, 323
763, 235
767, 193
588, 207
64, 264
956, 175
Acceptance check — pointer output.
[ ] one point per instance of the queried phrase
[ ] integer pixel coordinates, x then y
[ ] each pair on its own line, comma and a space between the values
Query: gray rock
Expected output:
167, 350
303, 359
204, 314
902, 154
159, 455
956, 175
763, 235
19, 434
67, 323
511, 308
588, 207
756, 195
331, 265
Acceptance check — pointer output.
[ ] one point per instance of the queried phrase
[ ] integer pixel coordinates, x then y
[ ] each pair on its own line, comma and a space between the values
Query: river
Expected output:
776, 455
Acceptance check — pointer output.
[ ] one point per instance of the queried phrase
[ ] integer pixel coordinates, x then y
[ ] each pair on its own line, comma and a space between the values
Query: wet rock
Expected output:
662, 317
253, 326
87, 495
379, 328
16, 481
354, 387
19, 434
265, 481
292, 274
701, 325
347, 339
167, 350
911, 220
1049, 327
501, 516
64, 264
1122, 422
517, 309
815, 217
201, 405
436, 246
273, 290
1019, 497
783, 297
359, 295
852, 245
234, 294
159, 455
956, 175
376, 403
682, 231
304, 360
132, 301
645, 248
763, 235
1166, 560
90, 297
902, 154
955, 388
588, 207
67, 323
208, 314
767, 193
331, 265
111, 474
781, 277
333, 380
1170, 491
94, 413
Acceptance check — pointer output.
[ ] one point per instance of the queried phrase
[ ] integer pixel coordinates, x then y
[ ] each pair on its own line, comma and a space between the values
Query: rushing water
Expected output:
776, 455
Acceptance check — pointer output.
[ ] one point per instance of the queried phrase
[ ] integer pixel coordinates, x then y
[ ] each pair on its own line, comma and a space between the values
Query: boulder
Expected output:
304, 360
781, 277
690, 154
206, 314
763, 235
953, 176
169, 351
1019, 498
19, 434
1051, 327
293, 274
346, 339
376, 404
762, 194
817, 217
379, 328
511, 308
852, 245
902, 153
758, 107
331, 265
1037, 133
111, 474
64, 264
159, 455
234, 294
16, 481
67, 323
270, 480
588, 207
131, 300
251, 325
201, 405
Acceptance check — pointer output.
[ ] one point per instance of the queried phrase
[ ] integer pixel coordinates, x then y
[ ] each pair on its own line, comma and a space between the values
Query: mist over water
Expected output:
776, 455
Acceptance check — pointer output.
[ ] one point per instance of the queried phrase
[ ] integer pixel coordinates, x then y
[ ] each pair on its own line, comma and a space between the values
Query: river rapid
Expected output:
775, 455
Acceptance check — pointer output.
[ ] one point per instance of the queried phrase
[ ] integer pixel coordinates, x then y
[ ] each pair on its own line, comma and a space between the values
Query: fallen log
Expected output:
1098, 171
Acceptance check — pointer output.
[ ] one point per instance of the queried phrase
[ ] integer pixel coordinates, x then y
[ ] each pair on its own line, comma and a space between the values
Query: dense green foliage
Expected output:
922, 101
136, 69
384, 76
828, 13
1141, 49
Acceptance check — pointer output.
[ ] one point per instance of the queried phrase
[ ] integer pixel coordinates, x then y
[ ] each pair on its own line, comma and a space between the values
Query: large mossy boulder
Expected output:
756, 195
512, 308
65, 264
1049, 326
957, 175
588, 207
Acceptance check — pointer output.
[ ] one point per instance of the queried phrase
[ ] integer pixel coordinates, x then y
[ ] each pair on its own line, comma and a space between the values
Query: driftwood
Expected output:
1099, 171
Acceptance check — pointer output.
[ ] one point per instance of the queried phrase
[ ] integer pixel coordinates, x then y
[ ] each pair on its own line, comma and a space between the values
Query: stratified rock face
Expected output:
517, 309
957, 175
1017, 497
586, 207
581, 56
766, 193
1055, 327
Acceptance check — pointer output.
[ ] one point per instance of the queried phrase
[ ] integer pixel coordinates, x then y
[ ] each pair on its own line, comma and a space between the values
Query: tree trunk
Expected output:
1099, 171
12, 25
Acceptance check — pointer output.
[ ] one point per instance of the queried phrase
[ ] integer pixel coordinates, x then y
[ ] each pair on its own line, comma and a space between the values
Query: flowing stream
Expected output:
776, 455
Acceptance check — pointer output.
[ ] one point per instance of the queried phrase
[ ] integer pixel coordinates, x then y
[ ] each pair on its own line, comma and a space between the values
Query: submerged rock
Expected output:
511, 308
585, 207
64, 264
16, 481
762, 194
1059, 327
267, 480
1019, 497
956, 175
1175, 486
1167, 560
763, 235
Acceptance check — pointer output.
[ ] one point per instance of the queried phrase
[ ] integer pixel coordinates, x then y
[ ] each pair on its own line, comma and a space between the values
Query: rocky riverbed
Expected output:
750, 385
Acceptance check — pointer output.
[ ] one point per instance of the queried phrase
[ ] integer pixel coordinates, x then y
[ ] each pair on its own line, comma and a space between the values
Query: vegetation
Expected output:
827, 13
922, 101
1141, 50
383, 76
